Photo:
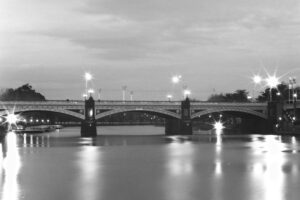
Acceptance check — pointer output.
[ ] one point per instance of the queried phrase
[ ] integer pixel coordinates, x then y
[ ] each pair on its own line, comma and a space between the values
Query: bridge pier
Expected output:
181, 126
88, 125
275, 110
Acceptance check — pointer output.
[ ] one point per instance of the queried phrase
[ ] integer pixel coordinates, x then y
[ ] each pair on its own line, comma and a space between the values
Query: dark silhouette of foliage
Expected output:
281, 93
237, 96
23, 93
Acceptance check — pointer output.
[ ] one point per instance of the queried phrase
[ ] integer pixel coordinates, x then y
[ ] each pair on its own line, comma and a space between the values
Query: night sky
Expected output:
217, 46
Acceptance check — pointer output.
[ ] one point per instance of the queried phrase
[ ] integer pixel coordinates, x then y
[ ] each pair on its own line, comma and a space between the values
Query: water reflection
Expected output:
176, 150
10, 168
179, 157
89, 180
268, 172
29, 140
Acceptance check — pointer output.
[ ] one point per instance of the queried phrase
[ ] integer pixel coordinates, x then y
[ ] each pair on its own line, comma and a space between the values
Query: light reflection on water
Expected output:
89, 168
211, 166
10, 168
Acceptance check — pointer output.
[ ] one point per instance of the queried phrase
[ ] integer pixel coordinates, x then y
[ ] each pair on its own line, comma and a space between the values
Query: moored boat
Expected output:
35, 129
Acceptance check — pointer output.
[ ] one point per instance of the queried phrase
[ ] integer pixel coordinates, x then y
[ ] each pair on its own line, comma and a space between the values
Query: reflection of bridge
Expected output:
168, 109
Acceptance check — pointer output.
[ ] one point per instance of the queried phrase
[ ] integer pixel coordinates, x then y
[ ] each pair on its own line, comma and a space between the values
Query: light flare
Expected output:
272, 81
11, 118
186, 93
88, 76
257, 79
218, 126
91, 91
176, 78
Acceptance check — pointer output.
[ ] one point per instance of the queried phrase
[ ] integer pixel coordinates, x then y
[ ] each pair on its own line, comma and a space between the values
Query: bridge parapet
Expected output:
122, 103
51, 102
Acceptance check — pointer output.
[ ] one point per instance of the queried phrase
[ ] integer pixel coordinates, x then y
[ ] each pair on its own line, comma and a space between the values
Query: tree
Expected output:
23, 93
237, 96
282, 92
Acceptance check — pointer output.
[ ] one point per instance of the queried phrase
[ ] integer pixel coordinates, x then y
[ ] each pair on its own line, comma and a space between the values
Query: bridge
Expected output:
169, 109
176, 113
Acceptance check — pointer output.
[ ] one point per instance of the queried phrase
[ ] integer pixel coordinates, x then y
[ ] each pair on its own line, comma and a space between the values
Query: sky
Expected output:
217, 46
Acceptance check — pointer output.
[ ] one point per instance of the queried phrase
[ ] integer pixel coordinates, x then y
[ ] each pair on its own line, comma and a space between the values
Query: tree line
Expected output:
282, 92
23, 93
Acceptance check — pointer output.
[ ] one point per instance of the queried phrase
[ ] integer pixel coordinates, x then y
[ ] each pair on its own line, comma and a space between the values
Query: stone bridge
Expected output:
168, 109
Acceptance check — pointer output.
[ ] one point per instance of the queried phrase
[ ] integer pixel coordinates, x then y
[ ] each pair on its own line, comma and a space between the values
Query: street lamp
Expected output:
272, 82
131, 95
186, 93
169, 97
99, 94
124, 87
84, 96
176, 79
257, 79
90, 92
88, 77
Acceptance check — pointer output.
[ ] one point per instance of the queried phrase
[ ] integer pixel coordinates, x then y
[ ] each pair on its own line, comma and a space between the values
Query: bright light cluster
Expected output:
272, 81
176, 79
218, 125
88, 76
11, 119
257, 79
186, 93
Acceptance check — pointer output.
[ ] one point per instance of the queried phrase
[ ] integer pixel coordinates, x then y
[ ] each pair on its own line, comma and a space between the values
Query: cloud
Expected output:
169, 36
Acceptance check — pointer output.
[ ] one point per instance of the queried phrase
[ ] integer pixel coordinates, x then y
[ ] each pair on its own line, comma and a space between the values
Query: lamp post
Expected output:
169, 97
131, 95
91, 92
87, 76
272, 82
124, 87
186, 93
176, 80
257, 79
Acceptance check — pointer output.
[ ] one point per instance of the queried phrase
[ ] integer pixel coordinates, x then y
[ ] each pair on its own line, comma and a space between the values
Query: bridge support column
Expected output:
88, 125
275, 110
181, 126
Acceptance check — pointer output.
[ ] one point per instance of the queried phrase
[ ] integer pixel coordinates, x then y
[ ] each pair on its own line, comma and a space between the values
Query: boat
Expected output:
57, 126
35, 129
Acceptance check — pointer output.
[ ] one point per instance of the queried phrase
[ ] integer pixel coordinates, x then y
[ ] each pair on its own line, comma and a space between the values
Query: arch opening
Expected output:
160, 113
47, 116
132, 117
234, 121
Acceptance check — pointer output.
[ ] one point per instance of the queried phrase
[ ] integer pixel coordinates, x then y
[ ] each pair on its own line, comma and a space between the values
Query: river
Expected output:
139, 162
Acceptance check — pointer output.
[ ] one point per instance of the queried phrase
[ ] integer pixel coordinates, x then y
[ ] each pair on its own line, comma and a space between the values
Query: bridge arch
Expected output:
157, 111
57, 110
240, 110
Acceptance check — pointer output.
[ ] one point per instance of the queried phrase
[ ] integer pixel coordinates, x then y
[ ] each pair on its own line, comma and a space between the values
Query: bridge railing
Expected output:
113, 102
204, 103
50, 102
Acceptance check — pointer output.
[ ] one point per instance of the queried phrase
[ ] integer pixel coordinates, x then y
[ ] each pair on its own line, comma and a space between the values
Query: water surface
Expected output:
148, 165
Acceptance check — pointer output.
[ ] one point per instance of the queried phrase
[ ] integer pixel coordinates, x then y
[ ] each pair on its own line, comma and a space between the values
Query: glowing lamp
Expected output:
218, 126
91, 91
88, 76
12, 118
176, 79
186, 93
257, 79
272, 81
